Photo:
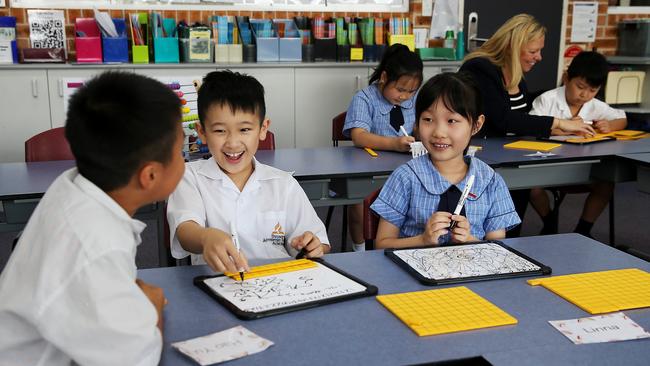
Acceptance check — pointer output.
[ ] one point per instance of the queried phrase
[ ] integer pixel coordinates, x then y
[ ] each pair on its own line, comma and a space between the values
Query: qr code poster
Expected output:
46, 28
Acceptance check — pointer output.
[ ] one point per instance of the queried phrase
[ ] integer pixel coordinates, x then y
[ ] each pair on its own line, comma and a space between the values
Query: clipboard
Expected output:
260, 297
458, 263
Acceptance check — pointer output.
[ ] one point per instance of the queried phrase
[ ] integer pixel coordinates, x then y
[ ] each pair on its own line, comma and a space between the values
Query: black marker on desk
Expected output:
461, 201
302, 253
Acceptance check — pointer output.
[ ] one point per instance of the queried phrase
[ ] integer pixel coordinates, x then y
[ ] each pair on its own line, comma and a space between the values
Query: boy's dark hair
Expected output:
240, 92
589, 65
398, 61
117, 122
457, 91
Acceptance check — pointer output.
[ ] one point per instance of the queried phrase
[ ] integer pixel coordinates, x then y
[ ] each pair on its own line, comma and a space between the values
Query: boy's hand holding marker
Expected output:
308, 246
220, 252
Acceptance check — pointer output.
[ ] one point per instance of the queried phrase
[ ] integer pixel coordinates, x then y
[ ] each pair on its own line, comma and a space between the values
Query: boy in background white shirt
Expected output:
232, 193
69, 291
587, 73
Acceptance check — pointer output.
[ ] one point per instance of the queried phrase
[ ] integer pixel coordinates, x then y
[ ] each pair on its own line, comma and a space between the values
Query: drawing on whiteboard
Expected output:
470, 260
284, 289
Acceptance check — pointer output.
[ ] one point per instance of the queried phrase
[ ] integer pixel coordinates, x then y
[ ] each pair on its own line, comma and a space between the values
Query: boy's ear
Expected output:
263, 128
201, 132
383, 77
149, 174
478, 124
565, 78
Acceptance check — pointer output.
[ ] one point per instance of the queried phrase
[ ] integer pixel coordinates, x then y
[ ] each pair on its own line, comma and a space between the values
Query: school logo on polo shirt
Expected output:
277, 236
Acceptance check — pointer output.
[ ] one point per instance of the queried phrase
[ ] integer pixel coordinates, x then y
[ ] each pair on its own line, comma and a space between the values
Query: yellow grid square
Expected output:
274, 268
445, 311
601, 292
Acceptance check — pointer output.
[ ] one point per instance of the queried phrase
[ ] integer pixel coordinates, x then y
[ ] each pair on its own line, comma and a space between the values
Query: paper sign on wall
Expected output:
585, 21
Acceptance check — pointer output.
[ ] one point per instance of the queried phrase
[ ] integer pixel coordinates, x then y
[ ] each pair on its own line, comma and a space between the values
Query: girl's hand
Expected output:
461, 232
436, 227
403, 143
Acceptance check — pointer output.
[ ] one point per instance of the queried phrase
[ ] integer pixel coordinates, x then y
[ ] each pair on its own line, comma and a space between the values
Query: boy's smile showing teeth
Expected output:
233, 157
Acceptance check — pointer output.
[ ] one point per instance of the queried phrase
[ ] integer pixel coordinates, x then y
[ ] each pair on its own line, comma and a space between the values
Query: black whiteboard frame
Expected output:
370, 290
544, 269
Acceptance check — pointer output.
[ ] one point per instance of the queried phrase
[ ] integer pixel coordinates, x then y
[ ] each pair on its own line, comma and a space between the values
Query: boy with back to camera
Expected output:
575, 100
232, 194
69, 291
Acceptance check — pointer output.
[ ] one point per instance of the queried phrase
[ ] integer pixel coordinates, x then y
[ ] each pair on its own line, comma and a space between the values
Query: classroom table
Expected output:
569, 164
362, 331
642, 162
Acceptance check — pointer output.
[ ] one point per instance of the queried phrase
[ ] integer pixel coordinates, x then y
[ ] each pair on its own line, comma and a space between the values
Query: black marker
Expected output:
302, 253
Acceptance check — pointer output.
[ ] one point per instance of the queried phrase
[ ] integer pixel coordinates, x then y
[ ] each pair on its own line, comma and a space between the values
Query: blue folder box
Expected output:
116, 49
268, 48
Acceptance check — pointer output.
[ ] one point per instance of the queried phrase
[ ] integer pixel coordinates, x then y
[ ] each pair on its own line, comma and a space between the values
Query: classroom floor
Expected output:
632, 225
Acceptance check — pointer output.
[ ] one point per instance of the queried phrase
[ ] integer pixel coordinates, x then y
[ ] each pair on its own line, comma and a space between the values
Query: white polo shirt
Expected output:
68, 293
553, 103
271, 210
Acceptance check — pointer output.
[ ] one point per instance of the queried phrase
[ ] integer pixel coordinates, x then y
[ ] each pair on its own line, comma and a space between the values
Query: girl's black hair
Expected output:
398, 61
457, 91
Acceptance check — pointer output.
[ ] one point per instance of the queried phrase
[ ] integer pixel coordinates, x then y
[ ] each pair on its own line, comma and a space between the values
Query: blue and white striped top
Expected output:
412, 193
371, 111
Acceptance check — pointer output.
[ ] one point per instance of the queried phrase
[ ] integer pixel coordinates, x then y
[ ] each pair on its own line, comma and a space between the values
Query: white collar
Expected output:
261, 172
90, 189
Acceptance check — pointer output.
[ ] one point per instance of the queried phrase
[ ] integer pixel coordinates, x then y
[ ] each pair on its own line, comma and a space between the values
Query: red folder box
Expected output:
88, 41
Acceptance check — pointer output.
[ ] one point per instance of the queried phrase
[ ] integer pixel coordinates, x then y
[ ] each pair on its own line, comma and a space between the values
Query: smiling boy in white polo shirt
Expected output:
232, 191
575, 100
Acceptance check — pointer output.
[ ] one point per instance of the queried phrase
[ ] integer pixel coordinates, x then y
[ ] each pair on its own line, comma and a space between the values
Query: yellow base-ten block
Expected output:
601, 292
445, 310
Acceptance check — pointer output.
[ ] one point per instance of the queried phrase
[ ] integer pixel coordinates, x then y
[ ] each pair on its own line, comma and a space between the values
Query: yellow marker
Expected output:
371, 152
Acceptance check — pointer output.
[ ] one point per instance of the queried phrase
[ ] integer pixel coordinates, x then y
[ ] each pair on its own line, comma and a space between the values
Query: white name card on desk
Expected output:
223, 346
598, 329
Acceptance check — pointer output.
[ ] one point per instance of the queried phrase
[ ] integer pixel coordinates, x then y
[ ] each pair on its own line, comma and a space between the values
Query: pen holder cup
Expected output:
249, 53
324, 49
221, 53
115, 49
165, 50
307, 53
140, 54
89, 49
235, 53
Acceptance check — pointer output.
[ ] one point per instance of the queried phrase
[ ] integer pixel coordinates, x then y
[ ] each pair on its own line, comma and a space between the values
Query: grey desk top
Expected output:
29, 180
332, 162
494, 152
642, 158
362, 331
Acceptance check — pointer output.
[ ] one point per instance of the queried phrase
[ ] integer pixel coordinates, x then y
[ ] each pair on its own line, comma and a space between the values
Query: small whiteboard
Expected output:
284, 292
465, 262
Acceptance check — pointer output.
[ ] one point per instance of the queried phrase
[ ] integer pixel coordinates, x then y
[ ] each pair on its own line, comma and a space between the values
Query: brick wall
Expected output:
190, 16
606, 33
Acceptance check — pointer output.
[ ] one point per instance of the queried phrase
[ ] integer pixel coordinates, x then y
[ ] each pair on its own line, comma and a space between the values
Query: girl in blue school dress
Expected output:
417, 202
376, 113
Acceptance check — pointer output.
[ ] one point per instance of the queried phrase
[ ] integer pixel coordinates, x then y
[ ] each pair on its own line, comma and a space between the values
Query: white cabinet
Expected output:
25, 110
321, 94
279, 99
56, 85
431, 71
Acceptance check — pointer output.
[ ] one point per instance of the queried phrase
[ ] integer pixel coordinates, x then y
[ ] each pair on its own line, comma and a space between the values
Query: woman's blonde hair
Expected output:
504, 47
